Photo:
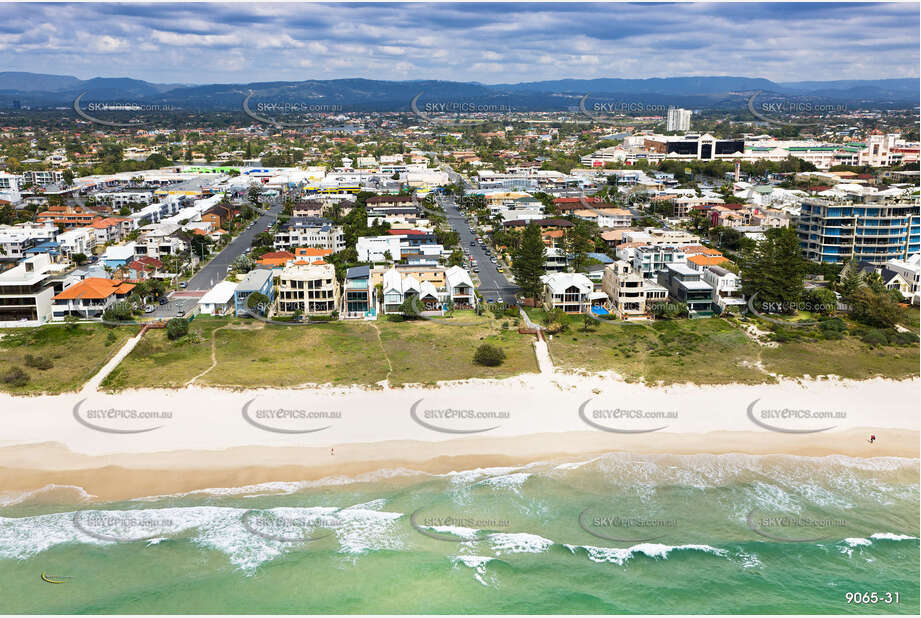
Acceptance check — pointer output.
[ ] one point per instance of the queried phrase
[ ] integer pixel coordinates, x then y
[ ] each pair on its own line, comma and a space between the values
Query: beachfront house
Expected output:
219, 300
357, 301
571, 292
259, 280
308, 289
89, 297
684, 285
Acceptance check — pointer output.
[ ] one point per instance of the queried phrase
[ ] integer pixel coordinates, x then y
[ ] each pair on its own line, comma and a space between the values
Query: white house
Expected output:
218, 300
398, 288
904, 275
460, 287
571, 292
727, 288
376, 248
78, 240
26, 291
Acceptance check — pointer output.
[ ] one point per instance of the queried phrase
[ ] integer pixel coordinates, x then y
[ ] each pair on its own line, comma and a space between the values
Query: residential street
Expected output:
214, 271
493, 284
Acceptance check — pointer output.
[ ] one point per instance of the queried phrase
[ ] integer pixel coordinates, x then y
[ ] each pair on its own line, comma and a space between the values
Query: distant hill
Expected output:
716, 92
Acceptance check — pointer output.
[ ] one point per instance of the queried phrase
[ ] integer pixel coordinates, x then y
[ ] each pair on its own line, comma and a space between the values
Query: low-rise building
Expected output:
255, 281
219, 300
684, 285
112, 229
81, 240
27, 290
727, 289
630, 293
90, 297
570, 292
309, 232
308, 289
357, 300
379, 248
650, 260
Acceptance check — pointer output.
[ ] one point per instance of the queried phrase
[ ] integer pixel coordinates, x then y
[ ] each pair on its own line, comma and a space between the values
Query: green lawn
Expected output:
717, 351
340, 353
76, 354
158, 362
427, 351
703, 351
848, 358
251, 354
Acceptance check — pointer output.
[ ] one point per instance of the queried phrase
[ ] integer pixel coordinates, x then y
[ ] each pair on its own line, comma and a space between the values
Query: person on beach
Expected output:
332, 451
872, 438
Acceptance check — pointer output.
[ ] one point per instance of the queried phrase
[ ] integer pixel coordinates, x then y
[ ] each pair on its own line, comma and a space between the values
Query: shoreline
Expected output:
52, 468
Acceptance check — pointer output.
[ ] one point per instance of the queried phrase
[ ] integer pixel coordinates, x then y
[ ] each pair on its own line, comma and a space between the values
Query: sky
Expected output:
488, 43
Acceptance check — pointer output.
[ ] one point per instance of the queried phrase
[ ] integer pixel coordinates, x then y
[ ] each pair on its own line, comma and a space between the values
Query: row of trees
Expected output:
774, 269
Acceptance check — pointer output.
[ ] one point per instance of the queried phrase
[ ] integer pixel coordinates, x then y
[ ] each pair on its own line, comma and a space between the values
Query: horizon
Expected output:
482, 43
328, 79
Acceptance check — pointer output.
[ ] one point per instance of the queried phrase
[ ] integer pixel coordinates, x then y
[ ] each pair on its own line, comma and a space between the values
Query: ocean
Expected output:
619, 533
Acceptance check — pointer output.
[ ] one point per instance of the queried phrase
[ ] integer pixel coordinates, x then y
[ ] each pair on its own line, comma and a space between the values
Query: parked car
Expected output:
163, 300
149, 309
183, 285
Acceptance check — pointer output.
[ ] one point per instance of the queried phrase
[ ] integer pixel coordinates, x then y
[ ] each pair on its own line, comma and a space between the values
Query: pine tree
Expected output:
528, 265
850, 280
774, 269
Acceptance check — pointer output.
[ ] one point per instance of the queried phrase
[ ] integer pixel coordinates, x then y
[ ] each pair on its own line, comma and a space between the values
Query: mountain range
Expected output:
38, 91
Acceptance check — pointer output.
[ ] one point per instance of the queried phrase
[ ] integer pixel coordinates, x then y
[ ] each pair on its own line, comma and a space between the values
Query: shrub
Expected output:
489, 355
16, 377
37, 362
905, 338
833, 324
176, 328
820, 300
875, 337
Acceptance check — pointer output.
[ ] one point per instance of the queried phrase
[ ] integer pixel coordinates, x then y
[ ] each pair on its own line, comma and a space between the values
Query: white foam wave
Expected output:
519, 542
890, 536
222, 529
13, 498
477, 563
658, 551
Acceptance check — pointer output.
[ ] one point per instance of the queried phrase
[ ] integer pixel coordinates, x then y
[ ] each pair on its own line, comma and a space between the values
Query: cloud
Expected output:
489, 43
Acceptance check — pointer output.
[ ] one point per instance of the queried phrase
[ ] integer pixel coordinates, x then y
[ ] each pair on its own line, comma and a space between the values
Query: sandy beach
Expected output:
153, 442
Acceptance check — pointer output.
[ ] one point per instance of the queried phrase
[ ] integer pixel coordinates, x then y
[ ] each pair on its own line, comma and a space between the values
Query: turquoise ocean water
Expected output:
617, 534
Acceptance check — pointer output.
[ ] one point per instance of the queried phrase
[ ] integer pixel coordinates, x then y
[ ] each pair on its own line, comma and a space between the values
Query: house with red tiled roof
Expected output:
112, 229
89, 298
142, 268
314, 255
700, 250
275, 259
701, 261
